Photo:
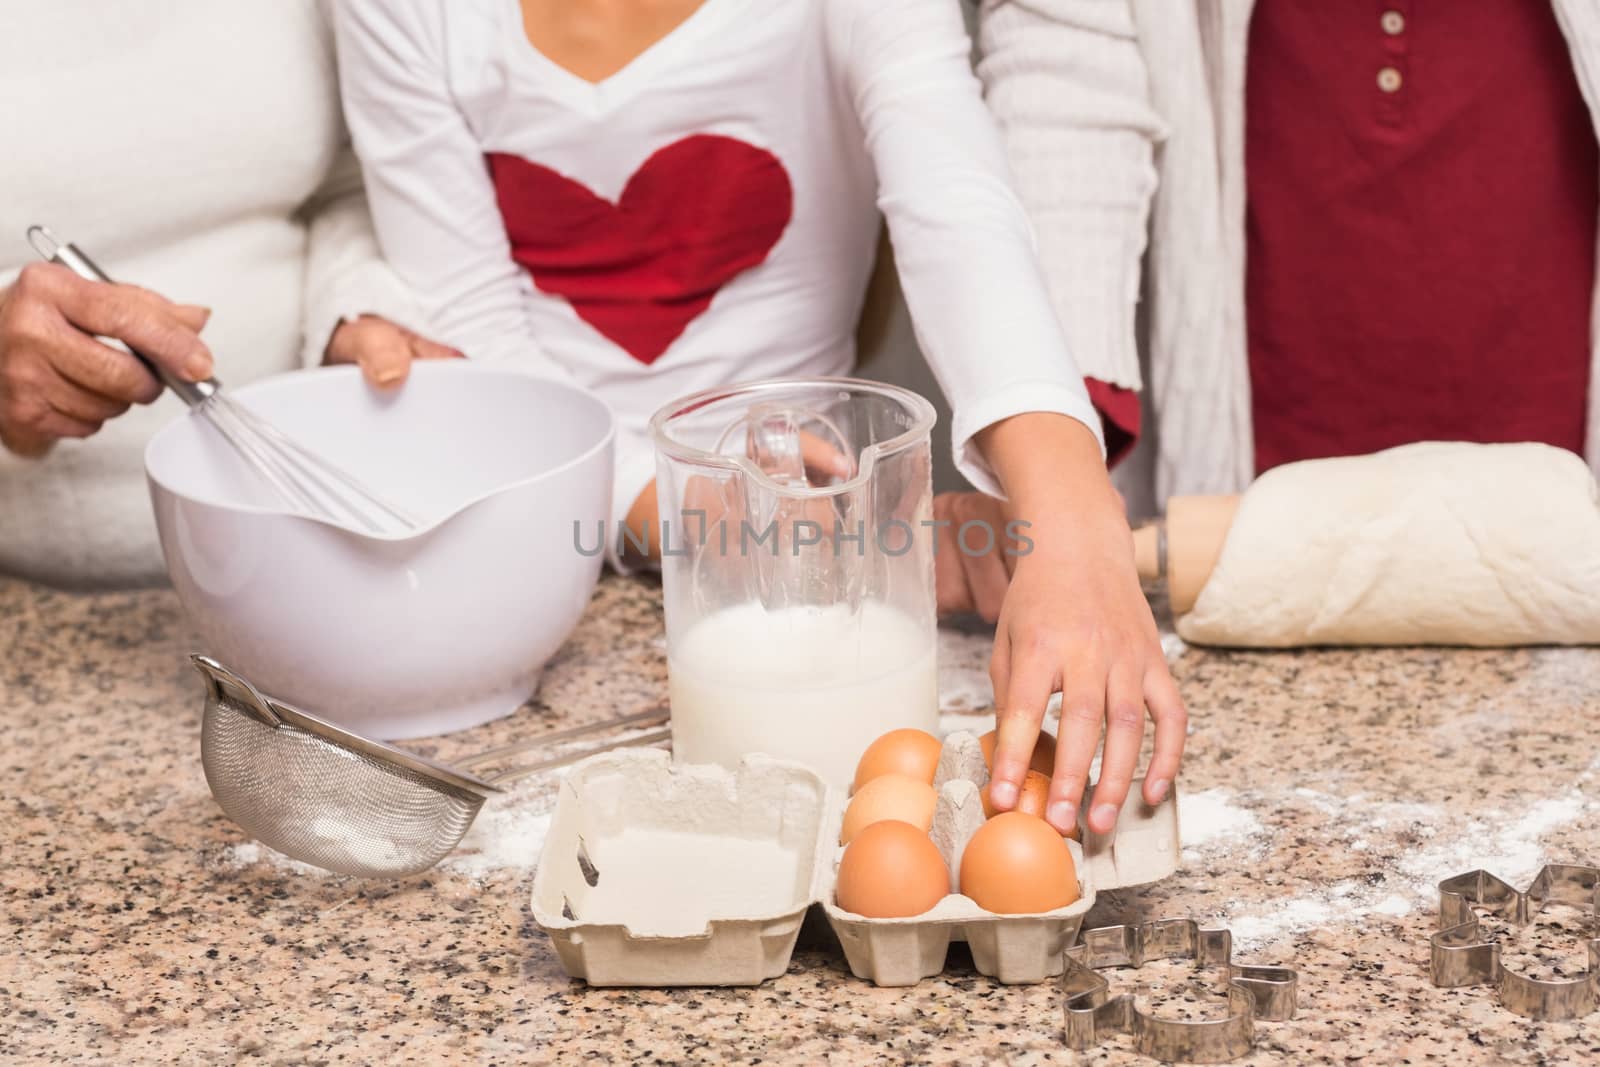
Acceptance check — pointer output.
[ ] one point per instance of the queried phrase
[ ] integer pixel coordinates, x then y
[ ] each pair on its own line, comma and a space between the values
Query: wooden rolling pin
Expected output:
1184, 547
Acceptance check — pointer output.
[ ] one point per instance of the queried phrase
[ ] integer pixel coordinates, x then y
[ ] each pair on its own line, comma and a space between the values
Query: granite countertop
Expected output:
1324, 793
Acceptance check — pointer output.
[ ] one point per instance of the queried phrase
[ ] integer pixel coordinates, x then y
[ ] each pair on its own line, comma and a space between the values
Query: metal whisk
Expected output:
325, 796
302, 480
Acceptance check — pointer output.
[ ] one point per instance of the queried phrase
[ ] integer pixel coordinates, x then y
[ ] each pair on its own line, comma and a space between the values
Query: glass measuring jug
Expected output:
797, 569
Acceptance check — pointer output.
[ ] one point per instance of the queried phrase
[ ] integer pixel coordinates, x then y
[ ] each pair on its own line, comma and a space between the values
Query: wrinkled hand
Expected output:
1075, 620
58, 380
383, 350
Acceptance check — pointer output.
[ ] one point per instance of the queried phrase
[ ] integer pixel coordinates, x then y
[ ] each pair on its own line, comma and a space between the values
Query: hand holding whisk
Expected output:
304, 482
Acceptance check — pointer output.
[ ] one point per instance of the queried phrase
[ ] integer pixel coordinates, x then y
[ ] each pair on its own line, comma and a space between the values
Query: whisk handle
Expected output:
73, 258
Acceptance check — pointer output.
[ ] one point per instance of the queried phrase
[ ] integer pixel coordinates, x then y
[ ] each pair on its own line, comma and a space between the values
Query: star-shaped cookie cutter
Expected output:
1254, 993
1462, 956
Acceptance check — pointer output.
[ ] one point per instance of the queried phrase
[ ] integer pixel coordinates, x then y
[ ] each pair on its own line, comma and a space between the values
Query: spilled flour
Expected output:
503, 841
1210, 821
506, 836
250, 853
964, 686
1403, 850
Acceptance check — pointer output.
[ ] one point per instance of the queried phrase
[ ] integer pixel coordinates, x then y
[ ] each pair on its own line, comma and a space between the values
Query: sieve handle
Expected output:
519, 747
216, 675
517, 773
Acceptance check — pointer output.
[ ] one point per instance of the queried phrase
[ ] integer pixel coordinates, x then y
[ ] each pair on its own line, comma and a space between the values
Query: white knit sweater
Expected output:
1125, 118
197, 149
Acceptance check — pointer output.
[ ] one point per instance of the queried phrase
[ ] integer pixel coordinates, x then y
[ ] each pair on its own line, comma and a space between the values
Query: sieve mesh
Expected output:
319, 802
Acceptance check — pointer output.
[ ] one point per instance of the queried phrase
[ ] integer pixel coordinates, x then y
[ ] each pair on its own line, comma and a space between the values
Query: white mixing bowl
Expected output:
399, 637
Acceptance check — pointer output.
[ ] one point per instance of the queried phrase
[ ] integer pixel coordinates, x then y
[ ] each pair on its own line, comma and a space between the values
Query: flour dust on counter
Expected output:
506, 836
249, 853
1212, 822
1410, 847
330, 831
503, 841
964, 686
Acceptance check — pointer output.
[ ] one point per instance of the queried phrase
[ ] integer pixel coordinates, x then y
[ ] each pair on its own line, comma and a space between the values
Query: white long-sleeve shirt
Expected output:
196, 149
707, 214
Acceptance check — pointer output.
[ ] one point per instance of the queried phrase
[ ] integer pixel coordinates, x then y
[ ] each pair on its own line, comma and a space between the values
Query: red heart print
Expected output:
690, 219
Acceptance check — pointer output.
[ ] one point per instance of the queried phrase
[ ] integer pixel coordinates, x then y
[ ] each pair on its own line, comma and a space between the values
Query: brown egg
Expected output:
913, 753
1031, 800
1031, 797
1017, 865
892, 796
890, 871
1043, 759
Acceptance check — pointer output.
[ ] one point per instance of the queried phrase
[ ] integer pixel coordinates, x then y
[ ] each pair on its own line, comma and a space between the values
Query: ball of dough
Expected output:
1427, 544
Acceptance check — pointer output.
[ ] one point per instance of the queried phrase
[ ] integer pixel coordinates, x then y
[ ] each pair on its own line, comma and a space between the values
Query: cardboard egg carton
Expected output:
655, 874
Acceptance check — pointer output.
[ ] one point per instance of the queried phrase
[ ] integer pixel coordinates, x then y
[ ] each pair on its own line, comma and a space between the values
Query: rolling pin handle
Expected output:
1196, 527
1150, 551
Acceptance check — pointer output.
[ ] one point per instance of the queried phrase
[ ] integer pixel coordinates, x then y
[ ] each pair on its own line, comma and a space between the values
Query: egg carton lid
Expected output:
661, 874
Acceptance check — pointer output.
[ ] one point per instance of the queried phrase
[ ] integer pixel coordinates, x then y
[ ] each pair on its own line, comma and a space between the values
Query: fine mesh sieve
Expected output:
325, 796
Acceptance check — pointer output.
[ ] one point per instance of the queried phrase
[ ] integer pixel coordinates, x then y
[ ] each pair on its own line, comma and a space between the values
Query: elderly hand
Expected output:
58, 380
382, 349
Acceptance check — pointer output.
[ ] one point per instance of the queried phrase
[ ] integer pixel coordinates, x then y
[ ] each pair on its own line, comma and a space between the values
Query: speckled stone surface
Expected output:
1329, 789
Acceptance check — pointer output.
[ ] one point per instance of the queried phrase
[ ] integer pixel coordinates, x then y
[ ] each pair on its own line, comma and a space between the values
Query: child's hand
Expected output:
974, 555
1075, 621
383, 349
710, 503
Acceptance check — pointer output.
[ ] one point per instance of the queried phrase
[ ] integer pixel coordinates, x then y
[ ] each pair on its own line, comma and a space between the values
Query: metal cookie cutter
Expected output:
1265, 993
1461, 956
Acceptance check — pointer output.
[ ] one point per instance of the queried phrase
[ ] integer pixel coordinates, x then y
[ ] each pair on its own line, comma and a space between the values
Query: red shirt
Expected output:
1423, 186
1119, 417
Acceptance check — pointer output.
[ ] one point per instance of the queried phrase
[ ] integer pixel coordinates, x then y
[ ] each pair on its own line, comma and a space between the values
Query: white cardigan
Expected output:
1126, 117
197, 149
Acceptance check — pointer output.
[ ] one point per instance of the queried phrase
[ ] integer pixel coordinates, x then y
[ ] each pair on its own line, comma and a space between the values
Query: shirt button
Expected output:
1393, 23
1389, 80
